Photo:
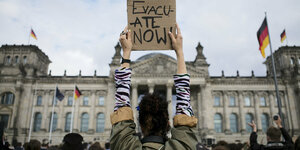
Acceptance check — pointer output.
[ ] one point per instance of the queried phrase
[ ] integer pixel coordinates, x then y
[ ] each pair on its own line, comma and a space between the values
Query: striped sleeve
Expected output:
122, 79
182, 85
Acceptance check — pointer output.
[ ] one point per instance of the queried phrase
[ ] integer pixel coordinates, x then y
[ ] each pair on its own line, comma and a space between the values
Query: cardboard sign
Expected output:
150, 21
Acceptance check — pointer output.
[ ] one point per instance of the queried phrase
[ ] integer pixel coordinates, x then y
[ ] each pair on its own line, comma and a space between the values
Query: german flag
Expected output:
263, 37
283, 36
77, 93
32, 34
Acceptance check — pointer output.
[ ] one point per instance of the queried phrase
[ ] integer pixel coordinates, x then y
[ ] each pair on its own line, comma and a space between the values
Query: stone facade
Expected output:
222, 104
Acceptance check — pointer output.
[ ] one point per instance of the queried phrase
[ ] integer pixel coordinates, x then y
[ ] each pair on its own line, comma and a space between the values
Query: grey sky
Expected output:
81, 34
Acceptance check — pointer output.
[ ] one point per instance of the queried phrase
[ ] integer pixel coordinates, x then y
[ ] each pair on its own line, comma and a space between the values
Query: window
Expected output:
264, 122
232, 101
249, 119
233, 123
7, 98
39, 101
70, 101
101, 101
100, 122
247, 101
218, 123
54, 121
217, 101
37, 122
263, 101
4, 118
8, 60
85, 101
24, 59
292, 60
68, 122
16, 59
84, 122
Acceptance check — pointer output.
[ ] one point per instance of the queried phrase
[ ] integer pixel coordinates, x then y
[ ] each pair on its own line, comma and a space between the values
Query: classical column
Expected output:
151, 87
76, 114
257, 112
204, 105
170, 104
134, 101
60, 112
92, 116
225, 112
272, 103
45, 108
242, 114
199, 104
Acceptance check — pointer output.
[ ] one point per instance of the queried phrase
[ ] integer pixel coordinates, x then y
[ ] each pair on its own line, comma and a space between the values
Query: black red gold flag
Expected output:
283, 36
263, 37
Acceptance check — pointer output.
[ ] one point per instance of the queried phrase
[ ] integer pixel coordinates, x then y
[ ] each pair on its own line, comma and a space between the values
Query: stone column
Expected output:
134, 101
92, 114
76, 114
151, 87
14, 115
242, 114
199, 104
204, 105
45, 108
170, 104
60, 112
257, 112
225, 113
272, 103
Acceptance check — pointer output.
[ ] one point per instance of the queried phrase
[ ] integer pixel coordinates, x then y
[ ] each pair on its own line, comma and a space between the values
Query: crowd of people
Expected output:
153, 117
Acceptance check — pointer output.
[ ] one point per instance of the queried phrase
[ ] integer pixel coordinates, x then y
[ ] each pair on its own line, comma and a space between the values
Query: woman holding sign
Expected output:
153, 110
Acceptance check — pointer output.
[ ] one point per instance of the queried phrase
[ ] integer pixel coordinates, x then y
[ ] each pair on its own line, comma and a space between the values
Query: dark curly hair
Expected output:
154, 116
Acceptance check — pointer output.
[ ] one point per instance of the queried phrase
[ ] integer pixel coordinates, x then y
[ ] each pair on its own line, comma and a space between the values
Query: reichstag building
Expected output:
223, 104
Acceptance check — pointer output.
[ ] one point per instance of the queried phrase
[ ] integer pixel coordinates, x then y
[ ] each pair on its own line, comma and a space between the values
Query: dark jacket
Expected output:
287, 145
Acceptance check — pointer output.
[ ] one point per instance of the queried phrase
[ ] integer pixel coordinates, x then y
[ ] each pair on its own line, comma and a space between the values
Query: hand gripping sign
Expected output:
150, 21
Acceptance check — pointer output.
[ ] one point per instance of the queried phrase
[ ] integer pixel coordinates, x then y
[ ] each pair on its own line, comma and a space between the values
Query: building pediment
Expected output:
157, 64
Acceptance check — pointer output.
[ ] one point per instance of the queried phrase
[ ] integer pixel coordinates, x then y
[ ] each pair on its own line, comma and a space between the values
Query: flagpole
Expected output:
287, 43
32, 113
29, 35
51, 122
275, 77
73, 104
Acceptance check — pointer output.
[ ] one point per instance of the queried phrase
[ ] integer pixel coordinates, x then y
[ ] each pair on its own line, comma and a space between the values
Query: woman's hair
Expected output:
154, 116
33, 145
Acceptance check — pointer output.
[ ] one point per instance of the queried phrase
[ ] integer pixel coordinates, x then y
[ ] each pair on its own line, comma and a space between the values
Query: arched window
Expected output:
264, 122
233, 123
16, 59
54, 122
68, 122
85, 101
100, 122
217, 101
232, 101
8, 59
24, 59
39, 100
37, 122
70, 101
101, 101
263, 101
218, 123
248, 119
4, 118
247, 101
84, 122
7, 98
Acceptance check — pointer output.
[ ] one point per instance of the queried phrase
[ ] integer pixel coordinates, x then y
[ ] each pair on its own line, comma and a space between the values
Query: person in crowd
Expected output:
107, 145
73, 141
33, 145
96, 146
297, 143
273, 138
152, 110
18, 146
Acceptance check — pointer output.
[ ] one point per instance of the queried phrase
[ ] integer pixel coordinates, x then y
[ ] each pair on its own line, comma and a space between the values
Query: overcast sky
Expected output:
81, 34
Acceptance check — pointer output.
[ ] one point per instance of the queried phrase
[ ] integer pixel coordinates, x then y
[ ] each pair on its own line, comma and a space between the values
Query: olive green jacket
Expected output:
184, 136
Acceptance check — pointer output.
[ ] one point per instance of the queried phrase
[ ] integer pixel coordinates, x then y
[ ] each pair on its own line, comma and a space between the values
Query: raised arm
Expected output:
181, 79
